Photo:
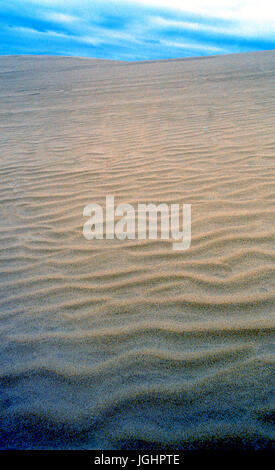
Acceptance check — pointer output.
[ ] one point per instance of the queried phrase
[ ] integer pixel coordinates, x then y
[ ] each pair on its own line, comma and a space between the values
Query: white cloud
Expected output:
248, 10
239, 29
247, 17
251, 17
257, 11
191, 46
61, 18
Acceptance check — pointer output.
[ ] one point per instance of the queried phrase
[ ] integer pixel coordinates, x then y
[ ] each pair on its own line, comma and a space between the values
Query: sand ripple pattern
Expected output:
111, 344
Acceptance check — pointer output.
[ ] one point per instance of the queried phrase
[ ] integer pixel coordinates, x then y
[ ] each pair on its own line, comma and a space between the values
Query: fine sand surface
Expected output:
129, 344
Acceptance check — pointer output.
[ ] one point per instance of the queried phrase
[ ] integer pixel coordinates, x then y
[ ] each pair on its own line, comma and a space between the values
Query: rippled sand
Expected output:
129, 344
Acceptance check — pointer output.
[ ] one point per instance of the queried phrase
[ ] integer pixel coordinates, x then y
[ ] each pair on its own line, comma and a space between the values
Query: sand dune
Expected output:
129, 344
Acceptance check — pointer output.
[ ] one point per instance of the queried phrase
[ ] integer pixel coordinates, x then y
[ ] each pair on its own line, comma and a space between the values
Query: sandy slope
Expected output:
111, 344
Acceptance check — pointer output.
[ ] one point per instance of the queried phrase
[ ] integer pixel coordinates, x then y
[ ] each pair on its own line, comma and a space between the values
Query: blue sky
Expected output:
136, 29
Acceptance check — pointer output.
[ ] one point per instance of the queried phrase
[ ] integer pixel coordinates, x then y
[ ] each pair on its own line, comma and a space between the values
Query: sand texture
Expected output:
129, 344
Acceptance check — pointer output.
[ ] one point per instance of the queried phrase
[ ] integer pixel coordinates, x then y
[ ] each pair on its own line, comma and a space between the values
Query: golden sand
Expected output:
129, 344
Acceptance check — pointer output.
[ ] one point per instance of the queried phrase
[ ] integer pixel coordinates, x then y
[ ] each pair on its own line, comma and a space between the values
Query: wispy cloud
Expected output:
135, 29
61, 18
192, 46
